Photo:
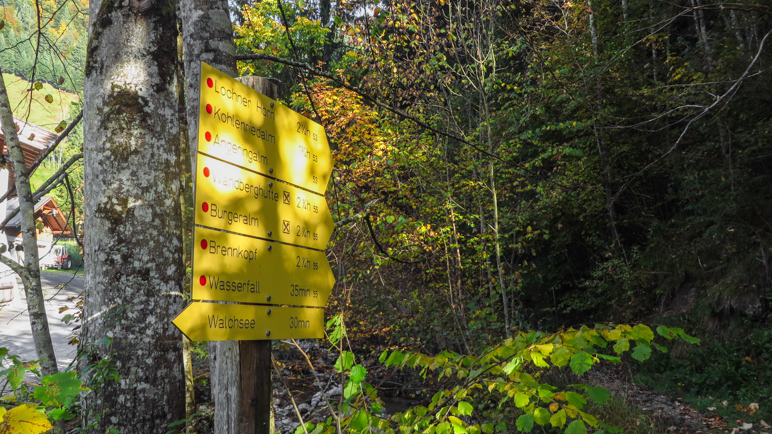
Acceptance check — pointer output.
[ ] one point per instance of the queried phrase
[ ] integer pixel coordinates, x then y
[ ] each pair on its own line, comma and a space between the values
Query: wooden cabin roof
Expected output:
34, 140
46, 210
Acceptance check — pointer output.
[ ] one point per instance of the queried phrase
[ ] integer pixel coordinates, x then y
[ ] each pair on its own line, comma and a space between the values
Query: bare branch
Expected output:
34, 166
725, 98
47, 186
316, 72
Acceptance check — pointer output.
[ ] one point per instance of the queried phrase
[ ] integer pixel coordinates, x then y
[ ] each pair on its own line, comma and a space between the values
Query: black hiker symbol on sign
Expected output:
286, 198
285, 226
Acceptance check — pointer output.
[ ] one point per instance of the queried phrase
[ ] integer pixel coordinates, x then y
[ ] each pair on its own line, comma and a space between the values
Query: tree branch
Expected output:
34, 166
316, 72
47, 186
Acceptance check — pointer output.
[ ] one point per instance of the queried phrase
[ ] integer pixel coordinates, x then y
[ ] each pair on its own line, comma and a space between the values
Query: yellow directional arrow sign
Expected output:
242, 126
248, 322
238, 200
231, 267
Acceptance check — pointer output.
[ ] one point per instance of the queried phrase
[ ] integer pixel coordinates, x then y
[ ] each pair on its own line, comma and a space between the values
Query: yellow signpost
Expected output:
262, 222
248, 129
232, 267
241, 322
239, 200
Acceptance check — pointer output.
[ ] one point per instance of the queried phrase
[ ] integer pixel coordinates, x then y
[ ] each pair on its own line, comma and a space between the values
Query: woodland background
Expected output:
514, 165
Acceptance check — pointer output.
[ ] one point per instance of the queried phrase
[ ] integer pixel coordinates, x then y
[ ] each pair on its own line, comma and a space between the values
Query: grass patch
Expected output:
33, 106
617, 414
78, 272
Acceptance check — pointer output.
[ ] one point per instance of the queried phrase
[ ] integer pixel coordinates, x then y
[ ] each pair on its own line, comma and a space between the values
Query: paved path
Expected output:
15, 331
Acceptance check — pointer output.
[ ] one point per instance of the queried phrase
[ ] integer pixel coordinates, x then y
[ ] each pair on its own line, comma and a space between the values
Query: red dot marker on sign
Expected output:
205, 207
209, 82
209, 108
206, 172
208, 136
204, 244
202, 280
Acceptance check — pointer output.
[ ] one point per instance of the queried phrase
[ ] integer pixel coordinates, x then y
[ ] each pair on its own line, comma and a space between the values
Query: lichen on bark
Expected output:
133, 249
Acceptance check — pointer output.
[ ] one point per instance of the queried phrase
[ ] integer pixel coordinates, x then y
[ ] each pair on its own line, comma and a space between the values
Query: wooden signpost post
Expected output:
261, 227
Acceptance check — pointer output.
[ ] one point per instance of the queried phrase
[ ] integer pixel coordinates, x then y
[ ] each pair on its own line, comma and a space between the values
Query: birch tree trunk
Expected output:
133, 252
30, 271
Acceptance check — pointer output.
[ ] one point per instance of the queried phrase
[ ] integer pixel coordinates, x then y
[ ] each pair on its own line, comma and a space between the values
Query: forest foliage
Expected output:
57, 52
514, 165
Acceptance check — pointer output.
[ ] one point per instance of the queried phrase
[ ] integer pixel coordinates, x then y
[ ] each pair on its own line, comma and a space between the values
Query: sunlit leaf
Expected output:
24, 419
465, 408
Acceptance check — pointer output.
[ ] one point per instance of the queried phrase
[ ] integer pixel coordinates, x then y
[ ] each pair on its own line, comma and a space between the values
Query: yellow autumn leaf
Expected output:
545, 349
23, 419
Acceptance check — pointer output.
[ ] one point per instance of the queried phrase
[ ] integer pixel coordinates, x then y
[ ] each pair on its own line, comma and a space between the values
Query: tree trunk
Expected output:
30, 272
207, 35
133, 251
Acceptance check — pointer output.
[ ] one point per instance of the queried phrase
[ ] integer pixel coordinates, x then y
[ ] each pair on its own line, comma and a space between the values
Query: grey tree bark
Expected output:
30, 271
207, 35
133, 252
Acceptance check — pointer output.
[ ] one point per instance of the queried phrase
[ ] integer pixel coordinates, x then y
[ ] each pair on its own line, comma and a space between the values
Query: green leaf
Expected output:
513, 365
641, 352
588, 418
538, 360
525, 422
351, 389
58, 388
359, 421
521, 400
358, 373
621, 346
62, 413
487, 428
395, 358
644, 332
558, 420
576, 399
546, 392
541, 416
576, 427
560, 357
612, 359
455, 421
690, 339
598, 394
465, 408
581, 363
442, 428
666, 332
345, 361
528, 380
